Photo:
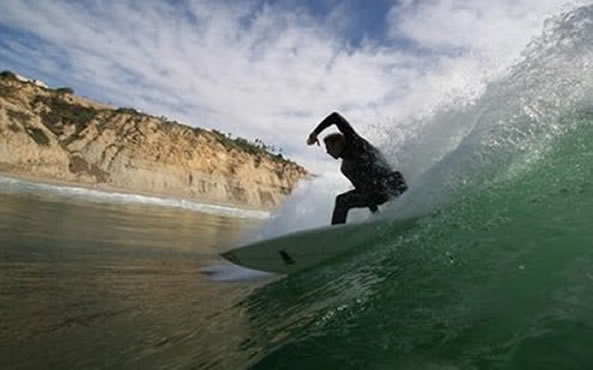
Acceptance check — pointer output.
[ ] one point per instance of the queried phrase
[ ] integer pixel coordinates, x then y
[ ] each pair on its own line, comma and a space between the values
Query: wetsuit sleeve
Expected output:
341, 123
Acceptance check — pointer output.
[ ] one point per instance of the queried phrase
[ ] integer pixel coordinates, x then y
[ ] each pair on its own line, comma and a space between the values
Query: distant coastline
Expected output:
119, 196
53, 136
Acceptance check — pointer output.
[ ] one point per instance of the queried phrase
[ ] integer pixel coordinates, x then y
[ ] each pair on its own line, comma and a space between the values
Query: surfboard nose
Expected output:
230, 256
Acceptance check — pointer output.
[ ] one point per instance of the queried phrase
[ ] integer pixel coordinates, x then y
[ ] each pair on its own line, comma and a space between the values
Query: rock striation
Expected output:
55, 135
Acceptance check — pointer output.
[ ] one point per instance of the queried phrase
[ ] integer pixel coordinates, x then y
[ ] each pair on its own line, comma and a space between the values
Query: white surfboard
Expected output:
296, 251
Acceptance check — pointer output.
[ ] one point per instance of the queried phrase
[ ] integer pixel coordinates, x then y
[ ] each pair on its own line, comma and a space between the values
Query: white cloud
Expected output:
269, 72
489, 30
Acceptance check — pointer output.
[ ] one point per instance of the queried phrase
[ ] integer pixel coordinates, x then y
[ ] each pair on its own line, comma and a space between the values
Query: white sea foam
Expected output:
228, 273
14, 185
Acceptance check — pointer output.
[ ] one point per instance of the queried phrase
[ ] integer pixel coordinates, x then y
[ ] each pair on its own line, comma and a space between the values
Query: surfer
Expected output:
374, 181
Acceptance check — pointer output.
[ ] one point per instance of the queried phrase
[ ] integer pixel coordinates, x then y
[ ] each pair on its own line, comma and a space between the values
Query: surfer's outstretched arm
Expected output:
334, 118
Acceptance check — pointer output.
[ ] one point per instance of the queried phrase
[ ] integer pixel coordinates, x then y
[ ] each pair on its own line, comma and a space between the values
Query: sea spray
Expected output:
478, 141
495, 272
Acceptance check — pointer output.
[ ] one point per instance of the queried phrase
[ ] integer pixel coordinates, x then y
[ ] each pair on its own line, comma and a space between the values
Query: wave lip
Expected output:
11, 185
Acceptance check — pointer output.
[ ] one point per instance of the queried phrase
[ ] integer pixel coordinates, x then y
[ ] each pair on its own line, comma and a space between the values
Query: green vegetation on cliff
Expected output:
57, 109
7, 74
62, 112
257, 148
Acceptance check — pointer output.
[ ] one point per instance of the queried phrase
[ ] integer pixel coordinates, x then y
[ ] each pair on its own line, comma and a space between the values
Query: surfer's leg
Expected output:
397, 184
347, 201
375, 200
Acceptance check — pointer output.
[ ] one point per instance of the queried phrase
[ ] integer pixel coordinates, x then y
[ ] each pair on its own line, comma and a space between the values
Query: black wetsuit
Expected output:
373, 179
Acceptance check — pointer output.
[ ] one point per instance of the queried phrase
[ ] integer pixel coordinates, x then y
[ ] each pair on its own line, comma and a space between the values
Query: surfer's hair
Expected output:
333, 138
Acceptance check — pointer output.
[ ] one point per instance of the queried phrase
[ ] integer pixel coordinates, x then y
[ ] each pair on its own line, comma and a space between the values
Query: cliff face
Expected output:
56, 135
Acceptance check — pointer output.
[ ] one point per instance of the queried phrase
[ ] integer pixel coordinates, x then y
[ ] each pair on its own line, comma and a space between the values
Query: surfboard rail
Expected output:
296, 251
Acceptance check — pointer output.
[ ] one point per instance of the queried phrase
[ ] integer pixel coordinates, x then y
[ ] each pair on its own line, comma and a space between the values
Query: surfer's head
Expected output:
334, 144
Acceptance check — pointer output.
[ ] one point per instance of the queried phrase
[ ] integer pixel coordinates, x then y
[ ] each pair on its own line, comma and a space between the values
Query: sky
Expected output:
271, 70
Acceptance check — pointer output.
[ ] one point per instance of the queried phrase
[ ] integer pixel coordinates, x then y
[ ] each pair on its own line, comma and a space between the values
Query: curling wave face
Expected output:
495, 270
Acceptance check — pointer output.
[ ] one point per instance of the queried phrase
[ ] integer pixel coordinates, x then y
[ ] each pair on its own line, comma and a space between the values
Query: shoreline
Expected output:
71, 141
157, 199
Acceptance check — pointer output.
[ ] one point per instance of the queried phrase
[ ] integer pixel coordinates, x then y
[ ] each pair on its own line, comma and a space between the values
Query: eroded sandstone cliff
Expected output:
56, 135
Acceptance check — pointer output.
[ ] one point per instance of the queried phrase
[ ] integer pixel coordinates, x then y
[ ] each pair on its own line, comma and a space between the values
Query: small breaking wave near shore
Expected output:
15, 185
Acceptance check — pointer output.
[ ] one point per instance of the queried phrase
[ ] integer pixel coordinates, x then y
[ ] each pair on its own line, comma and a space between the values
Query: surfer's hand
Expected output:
312, 139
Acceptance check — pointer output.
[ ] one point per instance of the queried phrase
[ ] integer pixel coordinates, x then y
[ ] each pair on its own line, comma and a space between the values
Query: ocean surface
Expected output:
494, 269
93, 280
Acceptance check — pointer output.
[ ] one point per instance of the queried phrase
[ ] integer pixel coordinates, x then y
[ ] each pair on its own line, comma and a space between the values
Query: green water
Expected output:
500, 278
